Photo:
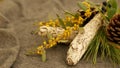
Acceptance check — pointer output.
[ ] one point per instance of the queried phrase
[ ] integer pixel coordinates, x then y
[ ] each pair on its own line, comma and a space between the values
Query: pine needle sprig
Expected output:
92, 51
101, 47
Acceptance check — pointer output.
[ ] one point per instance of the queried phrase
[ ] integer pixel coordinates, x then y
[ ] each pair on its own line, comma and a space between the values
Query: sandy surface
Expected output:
16, 38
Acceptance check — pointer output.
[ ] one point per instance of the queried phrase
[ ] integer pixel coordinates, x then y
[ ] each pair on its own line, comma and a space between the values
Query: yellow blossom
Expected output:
88, 13
50, 41
65, 35
47, 46
57, 22
68, 18
54, 43
41, 23
39, 52
72, 17
80, 20
53, 25
47, 25
40, 47
50, 45
44, 42
75, 27
64, 21
68, 27
57, 39
53, 39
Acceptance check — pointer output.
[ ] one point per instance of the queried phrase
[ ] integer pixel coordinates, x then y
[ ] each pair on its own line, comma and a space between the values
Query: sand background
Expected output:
16, 38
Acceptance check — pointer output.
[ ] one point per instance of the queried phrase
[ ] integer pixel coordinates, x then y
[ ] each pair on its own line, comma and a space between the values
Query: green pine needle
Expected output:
100, 47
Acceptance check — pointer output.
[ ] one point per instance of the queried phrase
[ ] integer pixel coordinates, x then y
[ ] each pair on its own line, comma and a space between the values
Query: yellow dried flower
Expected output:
75, 27
40, 47
80, 20
57, 39
68, 18
39, 52
47, 25
68, 27
53, 39
54, 43
40, 23
46, 46
88, 13
72, 17
57, 22
50, 41
50, 45
44, 42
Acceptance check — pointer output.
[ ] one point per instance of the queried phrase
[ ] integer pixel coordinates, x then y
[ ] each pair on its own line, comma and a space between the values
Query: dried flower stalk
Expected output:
54, 31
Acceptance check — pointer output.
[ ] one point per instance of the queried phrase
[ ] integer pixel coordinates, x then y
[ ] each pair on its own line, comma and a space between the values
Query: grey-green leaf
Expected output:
61, 22
83, 7
44, 56
66, 12
68, 23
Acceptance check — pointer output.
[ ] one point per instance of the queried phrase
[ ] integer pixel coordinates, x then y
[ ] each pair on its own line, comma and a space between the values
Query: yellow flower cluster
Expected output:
52, 42
46, 45
79, 20
40, 50
75, 27
66, 33
76, 21
88, 13
55, 23
52, 23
